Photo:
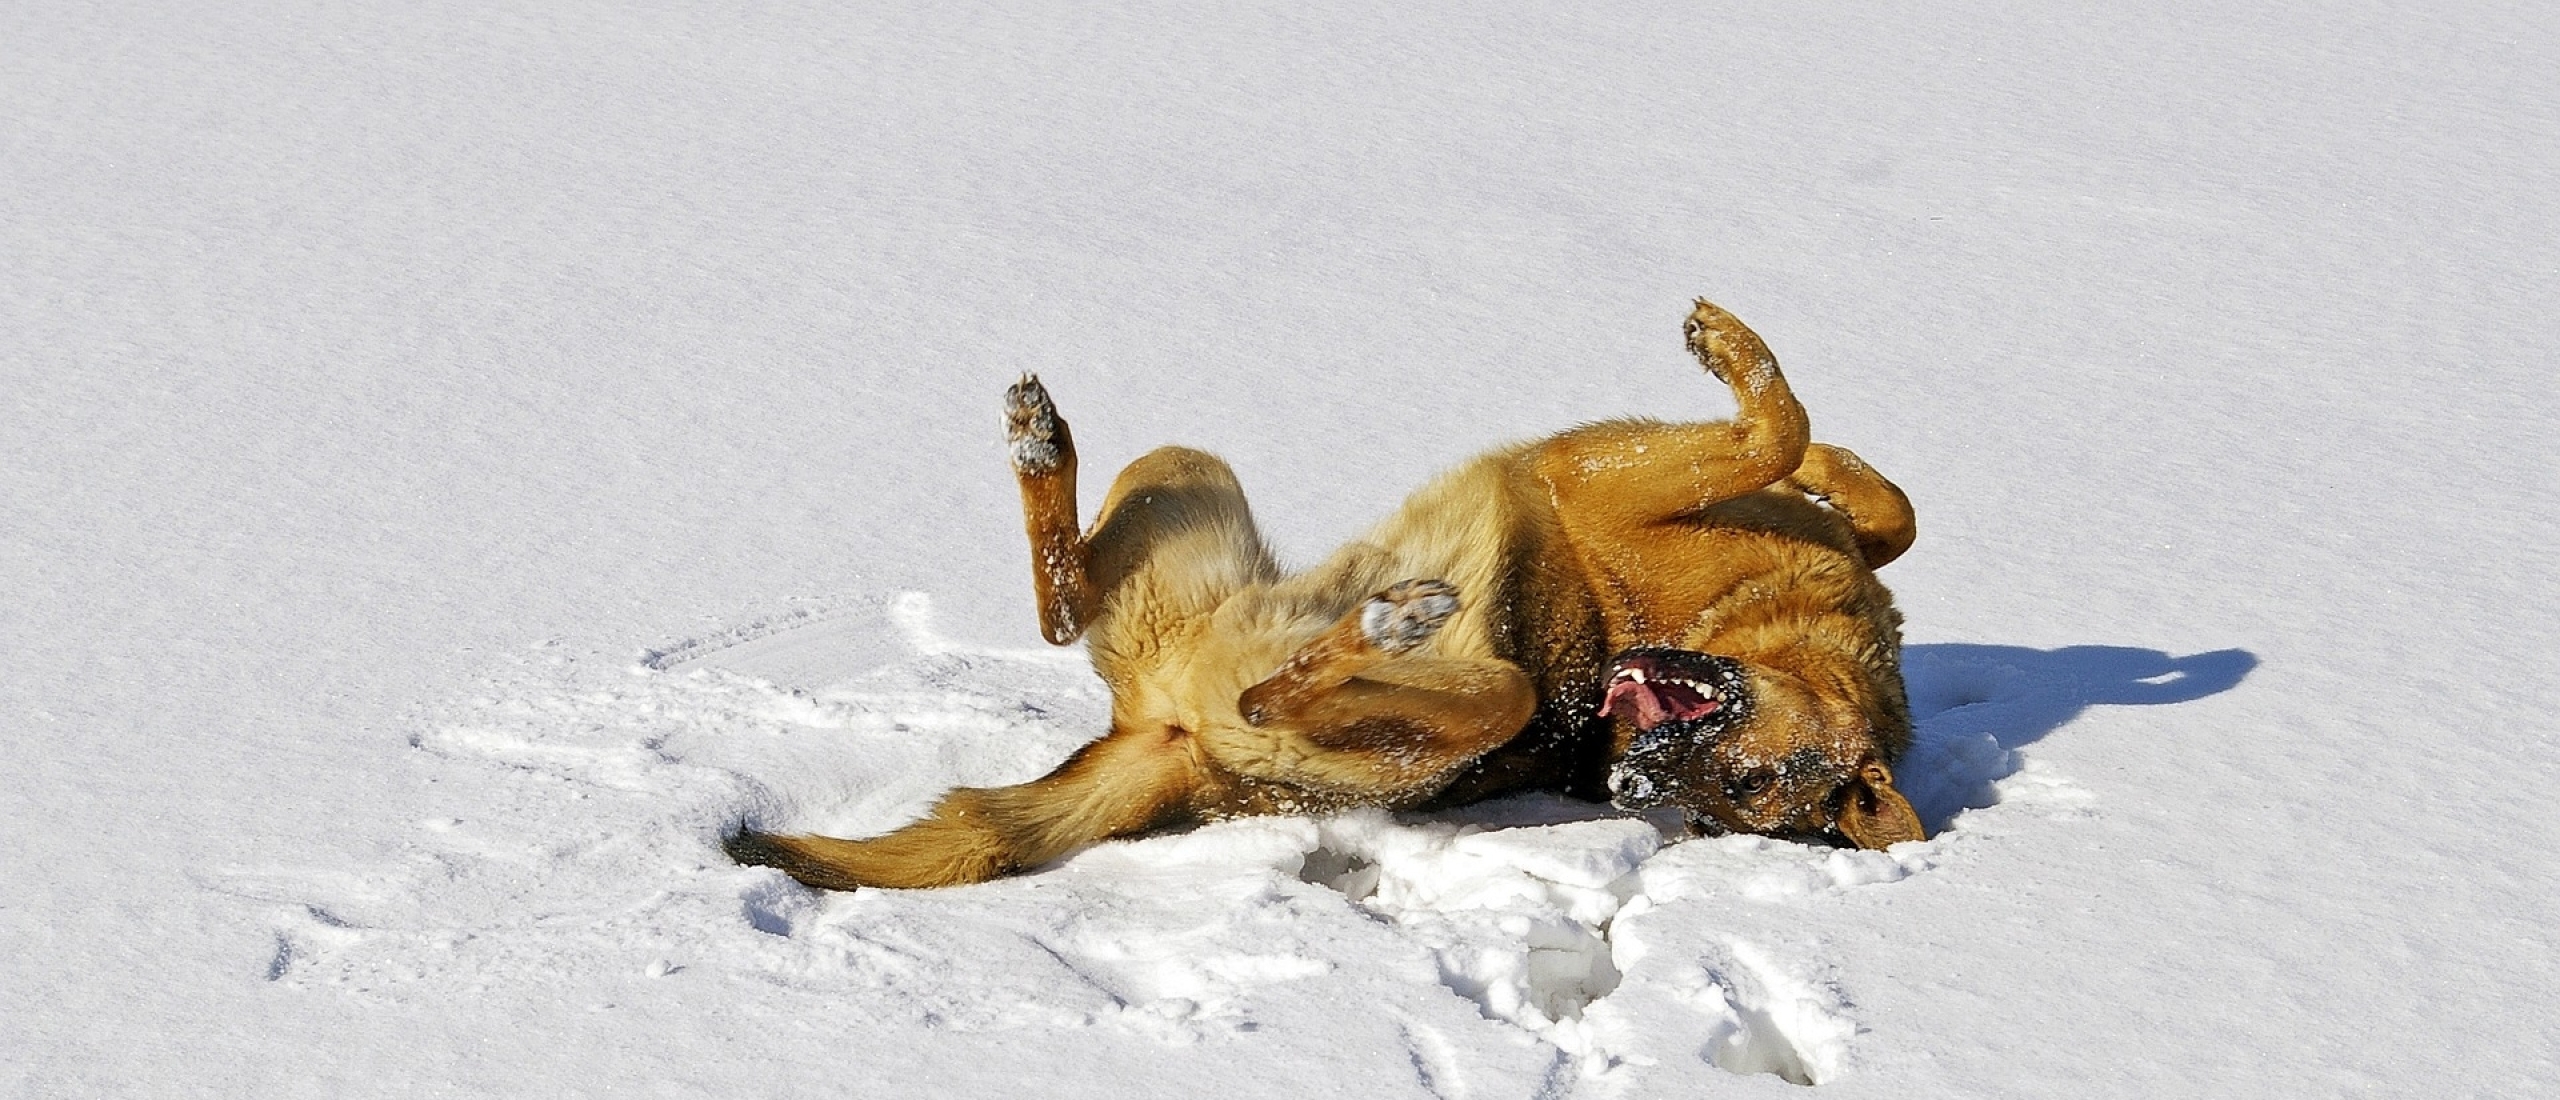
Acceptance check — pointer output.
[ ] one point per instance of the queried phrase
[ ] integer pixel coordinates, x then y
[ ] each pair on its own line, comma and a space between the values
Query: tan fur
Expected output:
1238, 690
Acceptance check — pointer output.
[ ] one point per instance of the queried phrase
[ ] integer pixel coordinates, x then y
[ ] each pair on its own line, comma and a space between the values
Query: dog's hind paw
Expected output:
1032, 431
1407, 614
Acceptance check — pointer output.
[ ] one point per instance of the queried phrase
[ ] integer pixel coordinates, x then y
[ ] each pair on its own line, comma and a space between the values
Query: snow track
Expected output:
603, 791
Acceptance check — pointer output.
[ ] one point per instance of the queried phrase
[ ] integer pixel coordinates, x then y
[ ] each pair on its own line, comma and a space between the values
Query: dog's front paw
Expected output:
1728, 348
1407, 614
1032, 432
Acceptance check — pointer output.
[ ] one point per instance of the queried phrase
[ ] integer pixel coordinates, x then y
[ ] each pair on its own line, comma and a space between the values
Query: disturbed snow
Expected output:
1582, 929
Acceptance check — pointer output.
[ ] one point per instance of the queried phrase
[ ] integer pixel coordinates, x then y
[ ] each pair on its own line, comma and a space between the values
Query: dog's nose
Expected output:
1630, 790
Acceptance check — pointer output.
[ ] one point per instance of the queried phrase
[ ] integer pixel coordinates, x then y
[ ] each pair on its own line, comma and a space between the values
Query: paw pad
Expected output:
1407, 614
1031, 426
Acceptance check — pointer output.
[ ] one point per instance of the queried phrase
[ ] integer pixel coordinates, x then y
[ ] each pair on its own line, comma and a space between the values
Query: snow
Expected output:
464, 458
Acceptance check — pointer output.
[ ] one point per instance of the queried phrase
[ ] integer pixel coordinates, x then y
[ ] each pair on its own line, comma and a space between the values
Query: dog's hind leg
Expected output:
1044, 465
1878, 514
1174, 528
1127, 782
1174, 539
1630, 473
1370, 714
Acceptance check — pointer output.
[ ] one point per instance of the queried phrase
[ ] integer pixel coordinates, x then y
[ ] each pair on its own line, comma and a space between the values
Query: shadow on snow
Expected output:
1974, 705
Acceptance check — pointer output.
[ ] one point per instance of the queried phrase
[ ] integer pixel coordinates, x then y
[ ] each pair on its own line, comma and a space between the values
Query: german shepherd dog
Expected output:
1662, 614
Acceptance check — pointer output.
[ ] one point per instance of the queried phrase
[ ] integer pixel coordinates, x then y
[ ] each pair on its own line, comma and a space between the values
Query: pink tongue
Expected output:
1657, 702
1649, 709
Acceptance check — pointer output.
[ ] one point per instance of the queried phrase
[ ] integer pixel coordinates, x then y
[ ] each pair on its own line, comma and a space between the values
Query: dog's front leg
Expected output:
1370, 713
1044, 465
1626, 474
1879, 515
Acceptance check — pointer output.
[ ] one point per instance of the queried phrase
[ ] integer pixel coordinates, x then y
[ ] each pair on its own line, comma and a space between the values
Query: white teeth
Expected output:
1632, 675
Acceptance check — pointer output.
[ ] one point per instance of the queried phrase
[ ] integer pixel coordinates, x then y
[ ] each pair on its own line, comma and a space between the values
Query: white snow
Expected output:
463, 458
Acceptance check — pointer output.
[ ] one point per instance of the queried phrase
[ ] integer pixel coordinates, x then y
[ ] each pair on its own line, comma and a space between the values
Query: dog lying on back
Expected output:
1663, 614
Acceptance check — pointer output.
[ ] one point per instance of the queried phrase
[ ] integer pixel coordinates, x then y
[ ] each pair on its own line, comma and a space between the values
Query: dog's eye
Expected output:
1750, 784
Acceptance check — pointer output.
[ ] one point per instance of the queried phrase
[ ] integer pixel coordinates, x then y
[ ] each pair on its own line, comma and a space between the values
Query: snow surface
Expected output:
463, 456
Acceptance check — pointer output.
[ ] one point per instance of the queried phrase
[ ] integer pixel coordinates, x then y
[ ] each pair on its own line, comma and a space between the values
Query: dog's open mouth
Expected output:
1652, 692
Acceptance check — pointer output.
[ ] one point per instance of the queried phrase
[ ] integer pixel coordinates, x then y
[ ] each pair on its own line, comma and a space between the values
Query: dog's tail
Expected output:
1122, 784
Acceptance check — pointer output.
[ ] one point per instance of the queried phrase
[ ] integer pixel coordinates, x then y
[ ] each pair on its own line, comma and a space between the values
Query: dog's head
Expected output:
1750, 750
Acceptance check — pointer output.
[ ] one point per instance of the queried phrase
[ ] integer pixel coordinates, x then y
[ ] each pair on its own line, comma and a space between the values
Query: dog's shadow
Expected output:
1973, 705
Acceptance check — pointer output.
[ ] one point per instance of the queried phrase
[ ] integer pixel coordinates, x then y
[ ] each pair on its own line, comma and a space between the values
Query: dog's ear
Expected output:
1873, 814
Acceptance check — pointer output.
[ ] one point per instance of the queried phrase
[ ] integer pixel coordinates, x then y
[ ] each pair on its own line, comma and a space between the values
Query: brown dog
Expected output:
1707, 587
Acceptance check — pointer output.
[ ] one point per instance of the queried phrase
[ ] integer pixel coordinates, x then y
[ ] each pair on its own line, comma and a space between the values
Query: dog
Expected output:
1655, 613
